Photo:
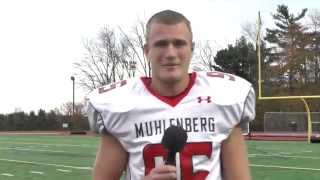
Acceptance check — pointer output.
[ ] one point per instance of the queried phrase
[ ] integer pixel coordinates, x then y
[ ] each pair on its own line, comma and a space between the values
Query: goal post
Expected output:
281, 79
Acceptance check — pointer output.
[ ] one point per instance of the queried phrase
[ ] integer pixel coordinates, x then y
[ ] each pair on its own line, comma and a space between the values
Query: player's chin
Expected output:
171, 77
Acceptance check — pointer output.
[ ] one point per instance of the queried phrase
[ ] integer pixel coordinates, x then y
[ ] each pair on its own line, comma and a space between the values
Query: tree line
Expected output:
290, 57
54, 120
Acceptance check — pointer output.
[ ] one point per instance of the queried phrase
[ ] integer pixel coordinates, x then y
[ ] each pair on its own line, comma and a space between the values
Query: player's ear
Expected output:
192, 46
145, 49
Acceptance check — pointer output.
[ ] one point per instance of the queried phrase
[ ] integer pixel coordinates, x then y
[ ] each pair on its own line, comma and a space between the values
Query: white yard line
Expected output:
7, 174
36, 150
264, 148
63, 170
40, 144
281, 149
46, 164
30, 133
307, 151
280, 155
284, 167
285, 153
36, 172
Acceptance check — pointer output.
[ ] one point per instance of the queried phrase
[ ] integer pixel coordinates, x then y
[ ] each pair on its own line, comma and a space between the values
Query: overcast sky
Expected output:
41, 39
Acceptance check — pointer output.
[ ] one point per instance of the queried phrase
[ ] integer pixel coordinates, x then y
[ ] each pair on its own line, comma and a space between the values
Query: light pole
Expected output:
72, 78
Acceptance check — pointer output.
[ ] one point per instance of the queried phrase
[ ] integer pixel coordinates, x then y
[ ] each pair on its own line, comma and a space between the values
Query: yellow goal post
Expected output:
260, 97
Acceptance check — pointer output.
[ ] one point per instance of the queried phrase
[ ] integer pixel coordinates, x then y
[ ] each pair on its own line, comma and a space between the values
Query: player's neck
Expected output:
170, 88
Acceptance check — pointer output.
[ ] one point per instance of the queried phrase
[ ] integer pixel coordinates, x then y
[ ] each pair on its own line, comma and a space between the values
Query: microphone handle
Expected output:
171, 159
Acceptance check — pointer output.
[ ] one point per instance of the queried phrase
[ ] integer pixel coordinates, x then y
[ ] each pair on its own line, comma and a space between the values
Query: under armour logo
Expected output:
208, 99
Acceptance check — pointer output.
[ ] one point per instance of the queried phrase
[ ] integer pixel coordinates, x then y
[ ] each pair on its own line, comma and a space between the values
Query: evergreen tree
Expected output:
290, 41
239, 59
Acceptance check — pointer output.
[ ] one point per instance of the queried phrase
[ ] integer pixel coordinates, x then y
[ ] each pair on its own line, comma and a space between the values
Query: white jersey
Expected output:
209, 109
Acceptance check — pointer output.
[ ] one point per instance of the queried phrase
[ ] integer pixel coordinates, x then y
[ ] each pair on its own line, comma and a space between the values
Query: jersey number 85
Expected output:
151, 151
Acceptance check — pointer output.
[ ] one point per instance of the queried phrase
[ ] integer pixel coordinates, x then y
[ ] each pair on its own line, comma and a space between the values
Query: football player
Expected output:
132, 115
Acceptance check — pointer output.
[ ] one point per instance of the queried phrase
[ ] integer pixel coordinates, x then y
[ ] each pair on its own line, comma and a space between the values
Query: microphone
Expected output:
174, 139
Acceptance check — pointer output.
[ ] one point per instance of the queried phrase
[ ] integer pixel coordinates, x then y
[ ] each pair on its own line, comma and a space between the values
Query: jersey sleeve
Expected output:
249, 113
107, 103
95, 120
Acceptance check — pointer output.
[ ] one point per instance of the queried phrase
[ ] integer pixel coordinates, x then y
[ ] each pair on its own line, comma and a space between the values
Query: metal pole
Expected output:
309, 119
73, 94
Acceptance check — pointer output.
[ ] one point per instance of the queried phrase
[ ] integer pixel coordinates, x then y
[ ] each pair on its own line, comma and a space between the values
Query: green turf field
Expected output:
46, 157
71, 157
271, 160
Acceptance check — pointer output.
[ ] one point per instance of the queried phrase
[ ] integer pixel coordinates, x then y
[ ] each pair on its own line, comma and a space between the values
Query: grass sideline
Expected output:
45, 157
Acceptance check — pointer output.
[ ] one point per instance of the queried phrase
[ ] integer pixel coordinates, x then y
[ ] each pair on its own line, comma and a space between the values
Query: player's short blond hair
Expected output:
167, 17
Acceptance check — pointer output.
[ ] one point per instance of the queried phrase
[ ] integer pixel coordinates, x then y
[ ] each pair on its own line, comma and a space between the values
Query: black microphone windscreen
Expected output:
174, 138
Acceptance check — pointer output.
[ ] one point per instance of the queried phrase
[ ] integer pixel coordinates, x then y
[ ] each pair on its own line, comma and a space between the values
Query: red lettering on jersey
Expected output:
220, 75
151, 151
107, 88
191, 149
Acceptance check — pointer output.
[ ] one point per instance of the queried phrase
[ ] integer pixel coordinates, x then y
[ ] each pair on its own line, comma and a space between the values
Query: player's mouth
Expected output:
170, 65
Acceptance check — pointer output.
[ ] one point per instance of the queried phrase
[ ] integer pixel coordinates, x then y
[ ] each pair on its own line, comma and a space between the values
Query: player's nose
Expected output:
171, 52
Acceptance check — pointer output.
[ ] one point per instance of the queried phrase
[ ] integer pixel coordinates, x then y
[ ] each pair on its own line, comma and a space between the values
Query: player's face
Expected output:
169, 50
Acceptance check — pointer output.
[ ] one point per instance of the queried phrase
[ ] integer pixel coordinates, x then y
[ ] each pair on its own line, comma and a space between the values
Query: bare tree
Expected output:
111, 58
250, 30
66, 109
314, 20
78, 120
102, 62
204, 57
314, 32
135, 42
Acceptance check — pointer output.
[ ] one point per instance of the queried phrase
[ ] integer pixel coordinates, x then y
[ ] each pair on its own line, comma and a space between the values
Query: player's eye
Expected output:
179, 43
161, 43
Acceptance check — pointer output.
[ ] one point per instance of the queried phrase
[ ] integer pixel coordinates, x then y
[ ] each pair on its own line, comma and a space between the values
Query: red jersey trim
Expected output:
170, 100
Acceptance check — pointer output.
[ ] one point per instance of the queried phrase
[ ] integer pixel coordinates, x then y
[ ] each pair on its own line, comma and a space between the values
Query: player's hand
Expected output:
163, 172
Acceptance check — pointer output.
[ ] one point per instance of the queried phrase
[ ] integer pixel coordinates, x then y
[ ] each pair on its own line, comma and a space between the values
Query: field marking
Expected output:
278, 155
36, 172
30, 133
307, 151
67, 145
262, 148
285, 153
7, 174
63, 170
47, 164
36, 150
280, 149
284, 167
